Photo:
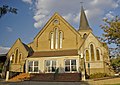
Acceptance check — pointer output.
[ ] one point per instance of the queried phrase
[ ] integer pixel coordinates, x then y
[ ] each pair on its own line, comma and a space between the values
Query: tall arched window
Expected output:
16, 56
87, 55
56, 38
98, 54
13, 58
51, 40
92, 52
20, 57
61, 38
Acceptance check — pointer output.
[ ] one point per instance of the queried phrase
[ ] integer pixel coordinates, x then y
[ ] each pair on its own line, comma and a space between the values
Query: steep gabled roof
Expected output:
51, 19
83, 21
19, 40
102, 43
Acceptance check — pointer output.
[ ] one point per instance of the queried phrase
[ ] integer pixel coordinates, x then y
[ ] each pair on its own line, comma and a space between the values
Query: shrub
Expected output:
0, 70
98, 75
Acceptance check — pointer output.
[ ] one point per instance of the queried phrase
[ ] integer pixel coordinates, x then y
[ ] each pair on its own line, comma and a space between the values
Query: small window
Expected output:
50, 66
56, 21
33, 67
70, 66
67, 65
85, 36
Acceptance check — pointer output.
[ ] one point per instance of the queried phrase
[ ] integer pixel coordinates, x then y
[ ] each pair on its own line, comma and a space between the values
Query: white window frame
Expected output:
51, 40
51, 63
33, 62
61, 39
56, 38
71, 66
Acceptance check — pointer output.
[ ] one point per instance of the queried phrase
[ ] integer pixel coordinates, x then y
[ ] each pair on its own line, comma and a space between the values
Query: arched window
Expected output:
16, 56
51, 40
98, 54
61, 38
84, 36
13, 58
87, 55
92, 52
20, 57
56, 38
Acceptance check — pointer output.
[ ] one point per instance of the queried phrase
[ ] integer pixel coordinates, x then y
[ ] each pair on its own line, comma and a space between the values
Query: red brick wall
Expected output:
57, 77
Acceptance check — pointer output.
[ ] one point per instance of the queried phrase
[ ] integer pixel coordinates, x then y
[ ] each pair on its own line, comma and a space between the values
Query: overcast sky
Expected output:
33, 14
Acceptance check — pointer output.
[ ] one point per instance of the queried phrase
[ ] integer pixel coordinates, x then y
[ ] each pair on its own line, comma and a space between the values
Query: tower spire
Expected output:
83, 20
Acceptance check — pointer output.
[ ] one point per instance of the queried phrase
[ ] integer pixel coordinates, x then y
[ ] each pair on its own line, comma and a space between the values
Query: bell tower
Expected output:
84, 28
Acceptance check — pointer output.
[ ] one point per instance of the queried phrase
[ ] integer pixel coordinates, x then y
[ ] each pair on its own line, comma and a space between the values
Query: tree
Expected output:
5, 9
111, 30
115, 62
111, 33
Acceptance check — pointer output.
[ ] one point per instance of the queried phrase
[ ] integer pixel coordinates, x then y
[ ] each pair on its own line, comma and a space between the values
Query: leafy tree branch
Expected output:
6, 9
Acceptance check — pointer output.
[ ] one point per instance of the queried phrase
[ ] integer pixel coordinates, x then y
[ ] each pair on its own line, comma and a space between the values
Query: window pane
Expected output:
46, 69
85, 35
92, 52
98, 54
61, 37
56, 38
52, 41
49, 69
50, 65
20, 57
30, 69
47, 63
53, 63
87, 55
33, 66
67, 62
70, 65
73, 68
35, 69
67, 68
53, 69
35, 63
16, 56
73, 62
31, 63
13, 58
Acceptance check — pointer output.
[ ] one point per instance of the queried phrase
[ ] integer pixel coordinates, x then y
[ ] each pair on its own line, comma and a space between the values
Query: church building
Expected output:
59, 47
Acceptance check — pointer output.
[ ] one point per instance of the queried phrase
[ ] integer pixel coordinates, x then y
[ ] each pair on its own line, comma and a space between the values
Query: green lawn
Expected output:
111, 84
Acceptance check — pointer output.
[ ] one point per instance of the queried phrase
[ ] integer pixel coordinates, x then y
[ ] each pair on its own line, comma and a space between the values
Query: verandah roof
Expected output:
55, 53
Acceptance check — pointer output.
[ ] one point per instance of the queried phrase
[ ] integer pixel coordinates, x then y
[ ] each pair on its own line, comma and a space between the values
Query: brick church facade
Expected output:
59, 46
